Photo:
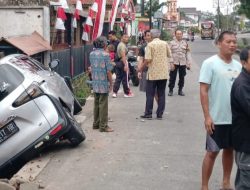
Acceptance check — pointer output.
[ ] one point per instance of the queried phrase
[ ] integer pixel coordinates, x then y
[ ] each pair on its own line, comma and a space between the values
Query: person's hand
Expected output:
126, 68
188, 66
110, 88
172, 67
209, 125
112, 63
139, 74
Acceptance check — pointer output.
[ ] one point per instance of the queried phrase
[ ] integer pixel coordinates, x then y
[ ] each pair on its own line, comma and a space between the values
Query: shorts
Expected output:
220, 139
242, 180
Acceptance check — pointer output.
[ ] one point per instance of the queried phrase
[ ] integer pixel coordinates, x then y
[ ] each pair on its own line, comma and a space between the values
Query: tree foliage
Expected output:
244, 8
155, 6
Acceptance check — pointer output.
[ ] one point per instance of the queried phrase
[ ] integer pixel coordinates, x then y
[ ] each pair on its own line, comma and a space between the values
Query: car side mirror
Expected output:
53, 64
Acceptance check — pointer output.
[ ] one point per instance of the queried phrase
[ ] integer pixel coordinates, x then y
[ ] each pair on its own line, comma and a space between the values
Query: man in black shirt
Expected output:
113, 39
240, 104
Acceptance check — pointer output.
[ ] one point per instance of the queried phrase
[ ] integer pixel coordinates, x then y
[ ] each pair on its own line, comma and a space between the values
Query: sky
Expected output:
202, 5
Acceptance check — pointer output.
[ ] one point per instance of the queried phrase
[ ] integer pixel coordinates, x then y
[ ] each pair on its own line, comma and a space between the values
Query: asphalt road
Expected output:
140, 155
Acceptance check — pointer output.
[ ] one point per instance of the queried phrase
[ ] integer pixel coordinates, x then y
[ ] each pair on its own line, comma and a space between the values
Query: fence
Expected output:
80, 60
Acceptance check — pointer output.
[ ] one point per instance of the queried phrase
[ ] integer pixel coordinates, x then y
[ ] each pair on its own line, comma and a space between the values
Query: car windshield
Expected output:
10, 79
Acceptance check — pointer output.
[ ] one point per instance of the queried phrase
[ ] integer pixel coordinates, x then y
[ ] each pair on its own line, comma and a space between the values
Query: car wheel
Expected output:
75, 134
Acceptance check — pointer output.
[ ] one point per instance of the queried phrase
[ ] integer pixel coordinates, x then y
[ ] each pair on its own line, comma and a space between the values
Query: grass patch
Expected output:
80, 88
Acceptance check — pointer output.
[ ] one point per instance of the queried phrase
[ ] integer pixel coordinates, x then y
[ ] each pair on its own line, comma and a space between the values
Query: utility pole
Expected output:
142, 8
150, 14
227, 15
218, 17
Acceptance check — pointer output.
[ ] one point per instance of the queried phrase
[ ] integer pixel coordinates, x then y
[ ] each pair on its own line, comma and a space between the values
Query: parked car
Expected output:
36, 107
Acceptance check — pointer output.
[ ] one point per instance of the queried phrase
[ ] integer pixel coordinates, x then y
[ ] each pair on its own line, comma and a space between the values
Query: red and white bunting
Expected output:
76, 14
59, 24
64, 4
99, 20
61, 17
85, 36
89, 21
79, 5
87, 26
94, 7
113, 13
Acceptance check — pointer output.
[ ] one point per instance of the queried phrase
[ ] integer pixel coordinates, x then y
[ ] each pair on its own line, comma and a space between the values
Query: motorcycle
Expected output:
132, 63
192, 38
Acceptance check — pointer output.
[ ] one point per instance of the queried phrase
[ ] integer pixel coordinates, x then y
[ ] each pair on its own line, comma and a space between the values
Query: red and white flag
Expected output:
99, 20
64, 4
113, 13
94, 7
76, 14
61, 17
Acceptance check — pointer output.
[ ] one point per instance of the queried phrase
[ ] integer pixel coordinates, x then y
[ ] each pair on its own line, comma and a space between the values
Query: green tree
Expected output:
182, 15
244, 8
155, 6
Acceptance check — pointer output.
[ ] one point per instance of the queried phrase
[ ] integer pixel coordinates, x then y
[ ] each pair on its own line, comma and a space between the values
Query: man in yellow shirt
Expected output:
156, 58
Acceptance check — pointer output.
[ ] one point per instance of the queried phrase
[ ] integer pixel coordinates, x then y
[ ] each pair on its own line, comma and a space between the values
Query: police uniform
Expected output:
181, 59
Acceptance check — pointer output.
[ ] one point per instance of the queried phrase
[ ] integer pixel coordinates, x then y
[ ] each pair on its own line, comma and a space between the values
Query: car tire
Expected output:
75, 134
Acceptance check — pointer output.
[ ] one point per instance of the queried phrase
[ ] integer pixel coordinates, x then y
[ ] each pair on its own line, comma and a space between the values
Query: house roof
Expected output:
30, 44
189, 10
89, 2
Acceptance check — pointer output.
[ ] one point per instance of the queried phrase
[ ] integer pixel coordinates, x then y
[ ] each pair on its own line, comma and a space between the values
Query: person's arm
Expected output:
171, 60
109, 74
242, 93
141, 66
108, 67
141, 56
209, 125
124, 58
148, 55
188, 57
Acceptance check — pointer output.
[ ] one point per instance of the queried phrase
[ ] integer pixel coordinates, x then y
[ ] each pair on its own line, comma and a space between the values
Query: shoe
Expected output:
181, 93
170, 93
159, 117
146, 116
107, 129
114, 95
129, 95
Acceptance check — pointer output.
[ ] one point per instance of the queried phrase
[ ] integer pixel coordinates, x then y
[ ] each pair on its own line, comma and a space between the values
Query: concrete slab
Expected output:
6, 186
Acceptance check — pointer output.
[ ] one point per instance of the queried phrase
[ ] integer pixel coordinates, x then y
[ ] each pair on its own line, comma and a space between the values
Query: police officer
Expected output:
181, 60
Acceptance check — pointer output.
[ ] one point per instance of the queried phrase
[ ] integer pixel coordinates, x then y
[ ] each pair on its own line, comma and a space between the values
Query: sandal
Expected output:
107, 129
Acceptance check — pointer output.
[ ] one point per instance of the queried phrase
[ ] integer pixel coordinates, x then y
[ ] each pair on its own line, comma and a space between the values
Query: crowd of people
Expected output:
224, 93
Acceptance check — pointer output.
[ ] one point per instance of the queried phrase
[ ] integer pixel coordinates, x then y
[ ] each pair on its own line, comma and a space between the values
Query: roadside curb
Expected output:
6, 186
23, 179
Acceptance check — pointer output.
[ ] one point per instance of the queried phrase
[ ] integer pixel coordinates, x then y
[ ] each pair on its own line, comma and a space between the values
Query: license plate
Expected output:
7, 131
